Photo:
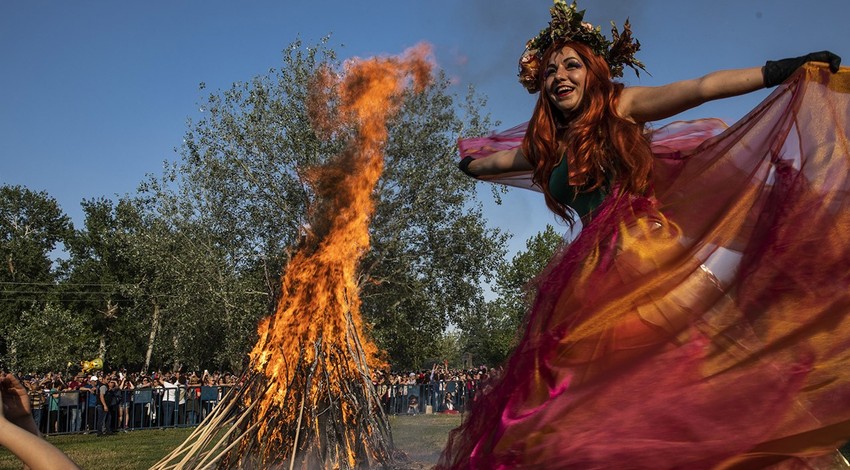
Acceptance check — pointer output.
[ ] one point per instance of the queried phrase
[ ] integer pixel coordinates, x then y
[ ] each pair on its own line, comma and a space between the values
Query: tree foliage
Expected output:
196, 308
491, 336
49, 338
430, 246
31, 226
179, 273
243, 170
99, 275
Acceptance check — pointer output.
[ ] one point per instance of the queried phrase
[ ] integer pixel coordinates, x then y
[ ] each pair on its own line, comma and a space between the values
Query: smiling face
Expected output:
564, 80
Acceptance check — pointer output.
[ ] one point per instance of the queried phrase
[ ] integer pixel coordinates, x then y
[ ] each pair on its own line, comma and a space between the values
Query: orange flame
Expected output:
317, 323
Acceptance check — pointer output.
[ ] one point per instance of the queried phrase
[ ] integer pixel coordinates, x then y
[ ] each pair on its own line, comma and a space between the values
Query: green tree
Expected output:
430, 245
49, 338
242, 175
491, 336
31, 226
192, 304
99, 275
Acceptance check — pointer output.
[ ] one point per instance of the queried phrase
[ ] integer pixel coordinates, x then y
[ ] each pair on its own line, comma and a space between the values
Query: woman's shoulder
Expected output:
625, 102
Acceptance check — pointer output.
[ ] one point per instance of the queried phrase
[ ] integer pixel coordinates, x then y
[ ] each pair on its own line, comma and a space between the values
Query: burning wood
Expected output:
307, 399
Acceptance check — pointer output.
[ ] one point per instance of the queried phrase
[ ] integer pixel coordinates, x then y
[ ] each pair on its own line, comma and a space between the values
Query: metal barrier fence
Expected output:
70, 412
432, 397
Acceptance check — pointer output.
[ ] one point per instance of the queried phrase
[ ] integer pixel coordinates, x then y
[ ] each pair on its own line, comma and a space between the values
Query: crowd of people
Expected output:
107, 402
438, 390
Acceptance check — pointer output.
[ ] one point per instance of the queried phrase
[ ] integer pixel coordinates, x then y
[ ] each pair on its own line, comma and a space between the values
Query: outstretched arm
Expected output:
504, 161
643, 104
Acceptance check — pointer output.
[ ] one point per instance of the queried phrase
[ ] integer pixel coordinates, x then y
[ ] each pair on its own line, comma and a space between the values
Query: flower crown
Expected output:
567, 25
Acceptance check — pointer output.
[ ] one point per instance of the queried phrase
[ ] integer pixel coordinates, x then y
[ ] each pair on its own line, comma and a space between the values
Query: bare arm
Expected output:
34, 452
643, 104
504, 161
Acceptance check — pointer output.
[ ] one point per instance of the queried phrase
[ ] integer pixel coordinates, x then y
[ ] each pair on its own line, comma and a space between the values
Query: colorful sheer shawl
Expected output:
704, 327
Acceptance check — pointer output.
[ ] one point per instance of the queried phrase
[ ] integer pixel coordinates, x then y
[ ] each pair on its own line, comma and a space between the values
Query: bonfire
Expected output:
306, 400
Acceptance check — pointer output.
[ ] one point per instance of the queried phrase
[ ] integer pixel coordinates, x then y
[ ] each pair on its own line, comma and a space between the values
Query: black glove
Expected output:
464, 166
777, 71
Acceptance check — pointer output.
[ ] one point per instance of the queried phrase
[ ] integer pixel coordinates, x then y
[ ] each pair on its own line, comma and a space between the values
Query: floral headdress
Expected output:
567, 25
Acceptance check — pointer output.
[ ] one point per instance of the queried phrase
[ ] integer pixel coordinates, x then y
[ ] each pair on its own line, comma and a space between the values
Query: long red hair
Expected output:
600, 147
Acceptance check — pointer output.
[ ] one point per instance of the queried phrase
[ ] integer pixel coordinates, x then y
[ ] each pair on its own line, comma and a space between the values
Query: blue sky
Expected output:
96, 94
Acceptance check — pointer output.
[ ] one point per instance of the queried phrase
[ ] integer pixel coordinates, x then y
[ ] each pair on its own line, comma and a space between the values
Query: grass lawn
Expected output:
420, 437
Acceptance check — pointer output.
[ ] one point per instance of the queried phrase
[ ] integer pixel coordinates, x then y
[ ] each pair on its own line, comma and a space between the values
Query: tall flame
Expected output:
308, 396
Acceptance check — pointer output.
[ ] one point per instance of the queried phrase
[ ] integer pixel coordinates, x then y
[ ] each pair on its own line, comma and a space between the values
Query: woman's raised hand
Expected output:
16, 403
777, 71
19, 434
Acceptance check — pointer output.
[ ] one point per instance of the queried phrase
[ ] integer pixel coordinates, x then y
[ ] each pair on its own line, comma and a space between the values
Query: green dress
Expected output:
582, 202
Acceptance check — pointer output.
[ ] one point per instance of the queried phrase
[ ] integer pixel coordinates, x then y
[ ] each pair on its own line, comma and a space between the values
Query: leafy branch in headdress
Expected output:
622, 51
568, 24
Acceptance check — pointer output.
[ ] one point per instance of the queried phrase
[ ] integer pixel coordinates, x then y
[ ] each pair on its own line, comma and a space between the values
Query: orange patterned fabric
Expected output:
705, 326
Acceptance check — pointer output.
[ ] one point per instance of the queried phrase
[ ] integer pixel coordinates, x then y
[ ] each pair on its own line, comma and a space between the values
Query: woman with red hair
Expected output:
700, 318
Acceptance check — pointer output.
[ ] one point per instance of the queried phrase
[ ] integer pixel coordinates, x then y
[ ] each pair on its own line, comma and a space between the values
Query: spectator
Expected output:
207, 401
75, 408
193, 395
53, 407
180, 382
35, 390
90, 391
469, 390
125, 388
382, 387
59, 381
413, 405
142, 406
449, 404
101, 407
169, 400
113, 401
